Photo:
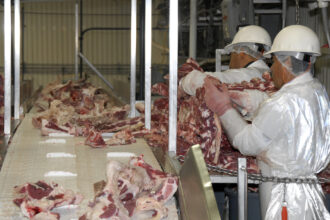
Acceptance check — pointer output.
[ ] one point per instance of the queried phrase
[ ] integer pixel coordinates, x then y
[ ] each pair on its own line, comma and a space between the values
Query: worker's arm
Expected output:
252, 139
195, 79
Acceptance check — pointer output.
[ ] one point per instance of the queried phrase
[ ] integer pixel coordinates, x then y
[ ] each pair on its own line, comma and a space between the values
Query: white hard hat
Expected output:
296, 38
251, 34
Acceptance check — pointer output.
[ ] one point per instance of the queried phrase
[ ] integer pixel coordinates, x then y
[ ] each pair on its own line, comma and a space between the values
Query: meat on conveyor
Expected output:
133, 191
36, 200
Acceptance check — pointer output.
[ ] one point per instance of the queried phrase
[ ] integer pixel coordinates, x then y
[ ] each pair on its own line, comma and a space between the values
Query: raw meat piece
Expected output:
48, 127
133, 191
140, 107
160, 88
36, 200
131, 123
95, 139
121, 138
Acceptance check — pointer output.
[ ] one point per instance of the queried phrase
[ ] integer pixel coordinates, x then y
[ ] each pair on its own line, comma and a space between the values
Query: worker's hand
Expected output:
216, 100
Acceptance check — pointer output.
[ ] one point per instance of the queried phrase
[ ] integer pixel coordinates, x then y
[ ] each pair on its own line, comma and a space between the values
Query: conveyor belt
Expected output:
27, 160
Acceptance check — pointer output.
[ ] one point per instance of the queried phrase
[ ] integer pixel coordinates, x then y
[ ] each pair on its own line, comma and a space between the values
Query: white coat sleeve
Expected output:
191, 82
252, 139
237, 75
195, 79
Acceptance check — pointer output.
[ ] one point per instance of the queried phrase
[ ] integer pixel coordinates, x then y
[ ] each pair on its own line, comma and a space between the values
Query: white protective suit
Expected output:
291, 136
195, 79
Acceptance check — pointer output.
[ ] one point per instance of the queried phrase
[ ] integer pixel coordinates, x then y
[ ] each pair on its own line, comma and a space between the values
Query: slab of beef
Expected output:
132, 191
36, 200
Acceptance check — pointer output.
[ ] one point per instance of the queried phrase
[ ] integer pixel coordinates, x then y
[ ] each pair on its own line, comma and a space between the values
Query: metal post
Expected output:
76, 39
218, 60
81, 39
242, 189
17, 52
193, 29
284, 5
147, 80
7, 63
173, 67
133, 58
142, 48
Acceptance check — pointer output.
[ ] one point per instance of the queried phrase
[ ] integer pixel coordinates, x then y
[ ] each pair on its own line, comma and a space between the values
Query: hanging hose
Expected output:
325, 23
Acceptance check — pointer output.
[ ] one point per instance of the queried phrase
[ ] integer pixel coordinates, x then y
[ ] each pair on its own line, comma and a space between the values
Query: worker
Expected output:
246, 60
290, 134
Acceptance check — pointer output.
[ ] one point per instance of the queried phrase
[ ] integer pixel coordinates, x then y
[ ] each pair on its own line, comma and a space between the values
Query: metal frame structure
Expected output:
218, 66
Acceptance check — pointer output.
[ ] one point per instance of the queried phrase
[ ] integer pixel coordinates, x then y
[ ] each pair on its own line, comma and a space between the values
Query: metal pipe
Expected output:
22, 48
284, 6
7, 66
147, 65
95, 70
173, 81
325, 23
242, 189
115, 29
142, 48
81, 39
193, 29
218, 60
17, 61
133, 58
76, 40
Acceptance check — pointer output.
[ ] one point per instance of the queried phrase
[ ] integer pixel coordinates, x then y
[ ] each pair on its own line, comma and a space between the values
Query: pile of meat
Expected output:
76, 108
134, 191
37, 200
